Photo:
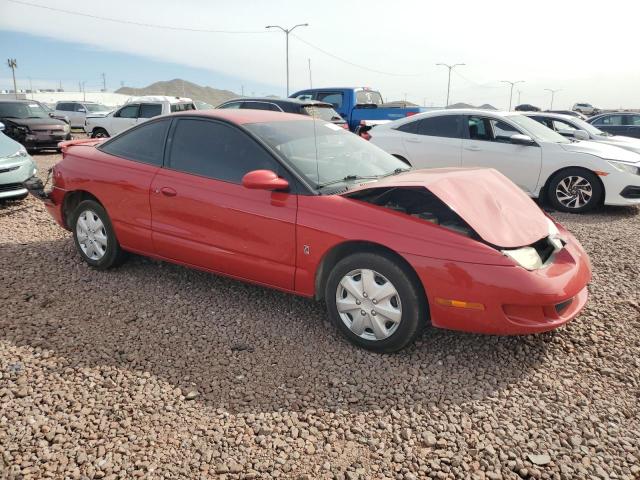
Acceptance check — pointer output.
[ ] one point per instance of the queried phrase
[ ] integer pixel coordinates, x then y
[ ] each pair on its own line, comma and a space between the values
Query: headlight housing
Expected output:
66, 128
624, 167
526, 257
21, 153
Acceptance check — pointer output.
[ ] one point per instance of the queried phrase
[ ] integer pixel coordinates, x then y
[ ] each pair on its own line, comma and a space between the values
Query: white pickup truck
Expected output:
135, 111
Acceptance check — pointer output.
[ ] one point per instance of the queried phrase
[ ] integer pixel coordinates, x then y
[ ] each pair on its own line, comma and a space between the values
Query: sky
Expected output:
392, 46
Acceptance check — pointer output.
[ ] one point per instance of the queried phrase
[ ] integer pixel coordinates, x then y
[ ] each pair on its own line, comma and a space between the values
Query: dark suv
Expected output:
31, 124
321, 110
618, 123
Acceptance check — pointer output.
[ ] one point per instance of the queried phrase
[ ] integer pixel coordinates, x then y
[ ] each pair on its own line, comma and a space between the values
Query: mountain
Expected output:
182, 88
486, 106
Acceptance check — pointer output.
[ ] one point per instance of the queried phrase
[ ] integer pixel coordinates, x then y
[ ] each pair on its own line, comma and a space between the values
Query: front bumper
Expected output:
621, 188
514, 301
12, 176
44, 140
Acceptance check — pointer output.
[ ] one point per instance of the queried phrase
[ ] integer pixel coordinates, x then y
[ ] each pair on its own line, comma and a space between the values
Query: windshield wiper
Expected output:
396, 172
349, 178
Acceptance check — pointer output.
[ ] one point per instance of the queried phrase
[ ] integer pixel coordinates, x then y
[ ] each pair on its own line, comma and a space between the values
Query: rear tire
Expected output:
389, 316
574, 190
94, 236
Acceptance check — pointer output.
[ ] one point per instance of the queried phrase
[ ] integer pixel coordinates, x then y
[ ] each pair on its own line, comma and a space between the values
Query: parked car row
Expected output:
16, 166
575, 176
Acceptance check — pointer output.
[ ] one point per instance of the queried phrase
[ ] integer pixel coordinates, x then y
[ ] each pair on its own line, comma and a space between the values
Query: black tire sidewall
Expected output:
587, 175
411, 296
113, 253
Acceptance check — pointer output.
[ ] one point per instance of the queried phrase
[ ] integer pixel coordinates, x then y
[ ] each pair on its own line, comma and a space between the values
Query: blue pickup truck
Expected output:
358, 104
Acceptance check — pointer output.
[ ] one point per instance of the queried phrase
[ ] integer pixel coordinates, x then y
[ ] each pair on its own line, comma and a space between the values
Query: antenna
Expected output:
310, 80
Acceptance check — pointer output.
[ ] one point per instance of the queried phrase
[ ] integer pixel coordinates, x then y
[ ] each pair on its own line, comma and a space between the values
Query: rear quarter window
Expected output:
142, 144
182, 107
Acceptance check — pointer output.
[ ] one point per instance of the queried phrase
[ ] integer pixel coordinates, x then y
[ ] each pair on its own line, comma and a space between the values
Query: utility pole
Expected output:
13, 64
30, 87
79, 86
511, 92
287, 31
104, 82
60, 85
242, 90
519, 92
553, 92
84, 92
310, 79
450, 67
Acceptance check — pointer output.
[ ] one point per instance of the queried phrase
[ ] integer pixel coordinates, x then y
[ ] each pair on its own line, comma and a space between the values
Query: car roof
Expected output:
242, 116
279, 101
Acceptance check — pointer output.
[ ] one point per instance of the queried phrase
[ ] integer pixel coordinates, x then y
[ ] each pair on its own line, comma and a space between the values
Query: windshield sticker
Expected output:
34, 105
333, 126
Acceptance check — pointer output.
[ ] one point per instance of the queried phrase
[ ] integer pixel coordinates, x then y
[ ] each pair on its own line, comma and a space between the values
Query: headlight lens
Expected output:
624, 167
22, 153
66, 128
526, 257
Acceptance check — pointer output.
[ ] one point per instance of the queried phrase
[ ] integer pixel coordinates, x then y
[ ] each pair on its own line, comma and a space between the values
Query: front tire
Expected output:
375, 302
99, 133
94, 236
575, 190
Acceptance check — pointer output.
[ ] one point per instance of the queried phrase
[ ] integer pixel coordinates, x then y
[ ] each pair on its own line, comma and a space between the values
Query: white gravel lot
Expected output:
157, 371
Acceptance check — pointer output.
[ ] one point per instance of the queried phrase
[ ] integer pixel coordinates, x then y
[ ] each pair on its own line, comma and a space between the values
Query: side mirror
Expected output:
264, 180
1, 127
520, 139
82, 110
580, 135
51, 114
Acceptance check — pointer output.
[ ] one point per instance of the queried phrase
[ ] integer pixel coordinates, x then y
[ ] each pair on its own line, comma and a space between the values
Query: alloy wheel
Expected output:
368, 304
91, 234
574, 192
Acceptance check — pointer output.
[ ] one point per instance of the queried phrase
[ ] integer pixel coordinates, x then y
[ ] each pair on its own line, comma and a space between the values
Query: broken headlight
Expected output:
526, 257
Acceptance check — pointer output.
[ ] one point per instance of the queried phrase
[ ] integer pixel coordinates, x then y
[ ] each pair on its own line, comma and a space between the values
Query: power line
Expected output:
130, 22
336, 57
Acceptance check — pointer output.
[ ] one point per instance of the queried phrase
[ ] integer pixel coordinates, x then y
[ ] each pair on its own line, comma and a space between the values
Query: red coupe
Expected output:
303, 206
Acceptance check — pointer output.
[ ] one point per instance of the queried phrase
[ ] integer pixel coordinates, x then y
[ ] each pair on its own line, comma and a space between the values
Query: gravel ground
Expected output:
157, 371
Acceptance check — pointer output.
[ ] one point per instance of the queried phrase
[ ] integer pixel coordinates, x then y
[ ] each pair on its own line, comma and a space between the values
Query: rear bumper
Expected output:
514, 301
52, 199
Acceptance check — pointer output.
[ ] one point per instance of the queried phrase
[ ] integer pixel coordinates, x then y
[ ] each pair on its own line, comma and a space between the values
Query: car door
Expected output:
149, 110
131, 160
633, 125
433, 141
487, 143
613, 123
125, 117
203, 216
77, 116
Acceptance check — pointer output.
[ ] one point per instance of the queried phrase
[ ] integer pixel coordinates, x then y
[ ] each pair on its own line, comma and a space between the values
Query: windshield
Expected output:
323, 113
96, 107
368, 97
580, 124
536, 130
327, 153
22, 110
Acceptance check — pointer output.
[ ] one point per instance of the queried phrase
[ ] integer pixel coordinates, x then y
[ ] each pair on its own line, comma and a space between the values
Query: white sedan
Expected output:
576, 176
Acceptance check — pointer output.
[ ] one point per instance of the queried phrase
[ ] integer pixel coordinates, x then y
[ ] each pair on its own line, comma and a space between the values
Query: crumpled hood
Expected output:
37, 123
499, 212
602, 150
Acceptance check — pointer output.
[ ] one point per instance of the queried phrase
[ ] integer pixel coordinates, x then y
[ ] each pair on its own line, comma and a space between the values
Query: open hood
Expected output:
499, 212
602, 150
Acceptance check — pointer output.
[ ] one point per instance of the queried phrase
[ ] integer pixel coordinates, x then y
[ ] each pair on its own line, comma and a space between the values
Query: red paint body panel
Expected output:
225, 227
260, 236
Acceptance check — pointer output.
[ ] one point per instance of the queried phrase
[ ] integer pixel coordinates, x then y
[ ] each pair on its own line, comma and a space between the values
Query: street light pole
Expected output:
511, 93
13, 64
450, 67
287, 31
553, 92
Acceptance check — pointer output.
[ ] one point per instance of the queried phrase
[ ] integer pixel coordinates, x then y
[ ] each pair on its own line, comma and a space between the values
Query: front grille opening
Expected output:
562, 306
9, 187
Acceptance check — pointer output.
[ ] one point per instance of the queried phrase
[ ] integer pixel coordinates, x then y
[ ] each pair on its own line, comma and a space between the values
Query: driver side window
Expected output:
130, 111
490, 130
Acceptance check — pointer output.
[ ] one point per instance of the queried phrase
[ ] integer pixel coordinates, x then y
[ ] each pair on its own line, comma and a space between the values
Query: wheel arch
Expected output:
344, 249
72, 200
544, 191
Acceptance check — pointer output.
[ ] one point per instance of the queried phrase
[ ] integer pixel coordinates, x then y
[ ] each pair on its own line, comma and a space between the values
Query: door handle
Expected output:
168, 192
413, 140
473, 148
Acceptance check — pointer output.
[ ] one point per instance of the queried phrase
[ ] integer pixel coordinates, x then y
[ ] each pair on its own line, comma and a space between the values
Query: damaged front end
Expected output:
480, 204
37, 187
